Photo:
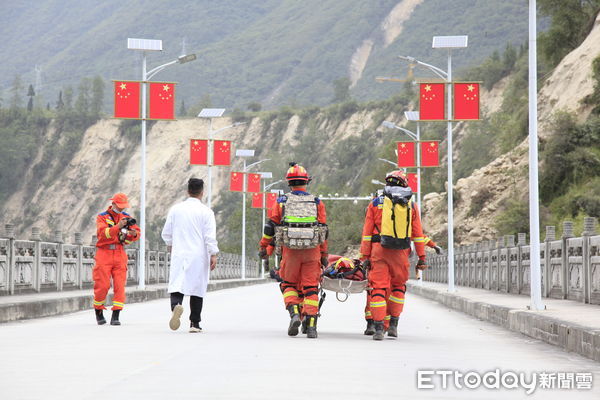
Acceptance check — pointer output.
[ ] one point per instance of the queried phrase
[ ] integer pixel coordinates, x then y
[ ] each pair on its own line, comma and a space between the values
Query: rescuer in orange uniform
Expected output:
300, 267
114, 229
370, 330
389, 267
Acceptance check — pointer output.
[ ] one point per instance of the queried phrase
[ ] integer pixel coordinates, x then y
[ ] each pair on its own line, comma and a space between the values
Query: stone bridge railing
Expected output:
570, 265
34, 265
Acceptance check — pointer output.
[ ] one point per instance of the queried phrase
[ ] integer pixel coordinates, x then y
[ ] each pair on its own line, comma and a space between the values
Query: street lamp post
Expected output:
534, 216
210, 113
146, 45
245, 154
449, 43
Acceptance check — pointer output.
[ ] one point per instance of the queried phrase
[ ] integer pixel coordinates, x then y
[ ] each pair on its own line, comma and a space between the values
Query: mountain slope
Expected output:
274, 52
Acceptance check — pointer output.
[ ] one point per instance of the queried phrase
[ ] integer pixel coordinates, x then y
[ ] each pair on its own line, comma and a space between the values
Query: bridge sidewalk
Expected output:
36, 305
568, 324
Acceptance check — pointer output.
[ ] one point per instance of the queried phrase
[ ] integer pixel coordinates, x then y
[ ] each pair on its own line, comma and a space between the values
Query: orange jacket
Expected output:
372, 227
429, 242
275, 214
107, 230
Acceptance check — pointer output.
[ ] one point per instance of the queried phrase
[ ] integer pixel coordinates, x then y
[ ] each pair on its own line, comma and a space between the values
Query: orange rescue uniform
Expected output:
300, 269
111, 259
389, 267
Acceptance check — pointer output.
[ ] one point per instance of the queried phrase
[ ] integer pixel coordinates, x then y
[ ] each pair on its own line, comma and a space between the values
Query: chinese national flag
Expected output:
162, 100
466, 101
431, 101
198, 152
412, 182
271, 200
222, 152
236, 182
253, 183
127, 100
406, 155
430, 156
257, 200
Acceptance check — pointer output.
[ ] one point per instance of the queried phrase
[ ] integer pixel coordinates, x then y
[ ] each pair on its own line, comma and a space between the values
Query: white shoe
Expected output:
175, 323
195, 329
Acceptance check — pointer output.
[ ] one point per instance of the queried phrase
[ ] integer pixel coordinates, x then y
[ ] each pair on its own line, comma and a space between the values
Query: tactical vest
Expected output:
299, 227
396, 224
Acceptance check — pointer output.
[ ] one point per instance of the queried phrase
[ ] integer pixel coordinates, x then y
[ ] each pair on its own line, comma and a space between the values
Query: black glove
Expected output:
366, 264
324, 260
421, 265
438, 250
262, 253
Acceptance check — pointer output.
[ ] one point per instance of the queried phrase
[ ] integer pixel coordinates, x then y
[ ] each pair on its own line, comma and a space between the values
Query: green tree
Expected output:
97, 95
16, 89
254, 106
30, 94
182, 109
341, 90
60, 104
68, 98
83, 103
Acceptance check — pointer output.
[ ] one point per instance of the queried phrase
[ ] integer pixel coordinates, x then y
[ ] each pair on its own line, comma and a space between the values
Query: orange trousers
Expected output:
387, 278
301, 274
110, 264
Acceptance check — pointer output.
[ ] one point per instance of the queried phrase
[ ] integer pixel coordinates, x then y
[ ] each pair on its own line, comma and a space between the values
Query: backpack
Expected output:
396, 218
299, 227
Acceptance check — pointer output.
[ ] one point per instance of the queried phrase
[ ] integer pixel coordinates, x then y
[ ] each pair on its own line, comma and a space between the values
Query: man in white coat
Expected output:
190, 233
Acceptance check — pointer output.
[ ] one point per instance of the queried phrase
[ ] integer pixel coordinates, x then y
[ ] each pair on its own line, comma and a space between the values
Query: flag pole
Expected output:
210, 161
244, 222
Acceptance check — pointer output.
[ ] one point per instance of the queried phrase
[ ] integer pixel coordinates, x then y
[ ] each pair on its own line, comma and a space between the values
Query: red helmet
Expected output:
297, 175
396, 178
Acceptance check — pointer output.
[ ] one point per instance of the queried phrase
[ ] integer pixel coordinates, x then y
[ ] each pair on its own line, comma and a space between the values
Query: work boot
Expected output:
393, 328
370, 331
114, 320
378, 330
294, 320
304, 325
100, 317
311, 326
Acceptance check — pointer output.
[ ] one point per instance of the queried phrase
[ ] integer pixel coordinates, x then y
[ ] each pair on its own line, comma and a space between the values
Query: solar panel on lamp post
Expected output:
146, 45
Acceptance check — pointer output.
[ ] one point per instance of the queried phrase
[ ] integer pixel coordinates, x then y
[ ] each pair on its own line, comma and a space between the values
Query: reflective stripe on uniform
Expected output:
396, 300
368, 314
367, 238
127, 241
110, 222
310, 302
427, 240
418, 239
297, 220
375, 304
387, 318
290, 293
99, 303
118, 304
107, 233
267, 236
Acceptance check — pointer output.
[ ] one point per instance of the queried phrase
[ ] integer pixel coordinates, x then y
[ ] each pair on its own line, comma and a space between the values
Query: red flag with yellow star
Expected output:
413, 181
406, 155
222, 152
271, 199
162, 100
466, 101
127, 100
198, 152
430, 156
253, 185
236, 182
257, 200
432, 103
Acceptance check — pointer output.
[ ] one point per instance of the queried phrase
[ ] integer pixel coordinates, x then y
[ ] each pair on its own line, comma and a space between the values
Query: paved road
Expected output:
244, 353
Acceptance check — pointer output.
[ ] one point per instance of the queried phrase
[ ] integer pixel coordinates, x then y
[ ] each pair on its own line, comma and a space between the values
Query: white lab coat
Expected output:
191, 231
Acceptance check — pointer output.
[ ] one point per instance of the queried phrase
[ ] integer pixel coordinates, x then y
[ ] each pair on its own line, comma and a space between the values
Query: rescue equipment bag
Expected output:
299, 227
396, 218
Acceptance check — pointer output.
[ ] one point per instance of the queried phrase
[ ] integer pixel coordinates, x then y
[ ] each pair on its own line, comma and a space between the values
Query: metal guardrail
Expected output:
570, 265
29, 266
